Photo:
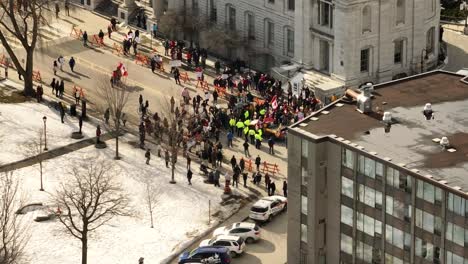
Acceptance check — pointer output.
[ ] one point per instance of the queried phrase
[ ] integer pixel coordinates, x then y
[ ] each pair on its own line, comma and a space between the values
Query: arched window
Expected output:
430, 40
400, 12
366, 19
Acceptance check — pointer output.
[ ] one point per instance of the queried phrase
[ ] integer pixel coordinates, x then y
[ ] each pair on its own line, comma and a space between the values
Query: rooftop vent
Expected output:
364, 103
428, 112
444, 142
367, 89
387, 118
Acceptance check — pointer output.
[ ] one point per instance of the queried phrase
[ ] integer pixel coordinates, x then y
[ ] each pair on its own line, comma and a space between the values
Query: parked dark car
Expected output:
210, 254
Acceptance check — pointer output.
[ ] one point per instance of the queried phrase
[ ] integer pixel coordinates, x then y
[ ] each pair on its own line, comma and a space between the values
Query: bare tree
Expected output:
12, 231
115, 97
151, 196
34, 149
90, 198
21, 21
184, 20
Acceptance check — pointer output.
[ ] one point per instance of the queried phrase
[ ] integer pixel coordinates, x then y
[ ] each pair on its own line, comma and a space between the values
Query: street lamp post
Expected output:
45, 133
423, 58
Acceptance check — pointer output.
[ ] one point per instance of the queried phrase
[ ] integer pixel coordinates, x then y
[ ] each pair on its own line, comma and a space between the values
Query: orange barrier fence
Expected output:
184, 77
95, 40
203, 85
142, 60
37, 76
117, 49
76, 32
270, 168
248, 164
6, 62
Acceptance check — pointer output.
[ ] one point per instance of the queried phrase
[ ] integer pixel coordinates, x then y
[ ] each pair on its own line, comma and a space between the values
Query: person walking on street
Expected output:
57, 10
272, 188
101, 36
72, 63
189, 177
217, 175
107, 116
53, 85
109, 31
80, 123
85, 39
230, 137
246, 149
172, 104
258, 161
235, 177
62, 88
166, 157
148, 156
189, 160
62, 111
61, 61
140, 99
98, 134
267, 180
67, 7
244, 177
233, 162
55, 67
285, 189
219, 157
271, 143
39, 92
176, 74
242, 164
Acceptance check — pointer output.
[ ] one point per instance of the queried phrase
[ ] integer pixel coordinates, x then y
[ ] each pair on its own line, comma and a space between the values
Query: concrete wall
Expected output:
294, 198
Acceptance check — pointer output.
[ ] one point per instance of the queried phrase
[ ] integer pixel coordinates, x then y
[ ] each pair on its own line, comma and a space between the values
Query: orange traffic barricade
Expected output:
259, 101
97, 41
37, 76
6, 62
184, 77
203, 85
270, 168
141, 59
76, 32
248, 164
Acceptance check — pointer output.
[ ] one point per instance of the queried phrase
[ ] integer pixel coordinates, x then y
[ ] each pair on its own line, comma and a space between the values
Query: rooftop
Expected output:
412, 140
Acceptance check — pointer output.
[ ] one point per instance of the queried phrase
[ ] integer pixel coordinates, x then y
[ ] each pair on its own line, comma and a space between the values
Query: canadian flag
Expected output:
274, 102
122, 69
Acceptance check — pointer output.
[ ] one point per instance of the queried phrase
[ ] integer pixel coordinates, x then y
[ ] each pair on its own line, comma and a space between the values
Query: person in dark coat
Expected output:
258, 161
53, 85
148, 156
246, 149
233, 162
271, 144
189, 177
98, 134
176, 74
189, 160
244, 177
62, 88
85, 39
72, 63
242, 164
166, 157
285, 189
235, 176
216, 178
267, 181
219, 157
272, 189
62, 111
39, 93
107, 115
80, 123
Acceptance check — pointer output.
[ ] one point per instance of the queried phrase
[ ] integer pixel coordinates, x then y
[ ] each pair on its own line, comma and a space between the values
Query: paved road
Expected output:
270, 249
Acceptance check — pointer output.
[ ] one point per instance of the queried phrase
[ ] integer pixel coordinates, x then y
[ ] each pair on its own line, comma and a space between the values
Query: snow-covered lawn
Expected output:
20, 124
181, 210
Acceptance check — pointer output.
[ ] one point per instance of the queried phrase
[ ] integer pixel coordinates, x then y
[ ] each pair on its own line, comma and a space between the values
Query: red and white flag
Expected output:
122, 69
274, 102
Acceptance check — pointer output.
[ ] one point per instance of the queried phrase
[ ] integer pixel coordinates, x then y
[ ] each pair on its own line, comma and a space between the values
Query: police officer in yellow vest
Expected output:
232, 124
246, 133
240, 125
252, 136
246, 114
263, 112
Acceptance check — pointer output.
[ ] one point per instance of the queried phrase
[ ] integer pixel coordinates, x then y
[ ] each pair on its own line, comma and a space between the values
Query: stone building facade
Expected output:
348, 40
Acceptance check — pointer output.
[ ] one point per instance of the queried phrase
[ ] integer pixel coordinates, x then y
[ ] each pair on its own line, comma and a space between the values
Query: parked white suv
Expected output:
250, 232
265, 208
235, 244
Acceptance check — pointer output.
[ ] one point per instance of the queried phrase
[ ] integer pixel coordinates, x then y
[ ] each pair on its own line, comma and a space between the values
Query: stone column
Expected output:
158, 8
